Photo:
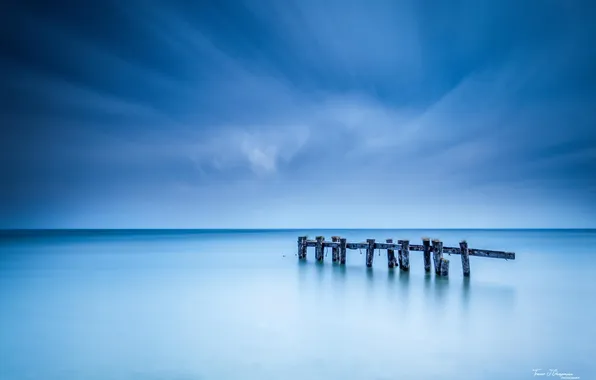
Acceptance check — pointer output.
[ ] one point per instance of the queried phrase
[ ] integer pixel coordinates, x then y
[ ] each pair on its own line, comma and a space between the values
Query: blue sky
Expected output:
298, 113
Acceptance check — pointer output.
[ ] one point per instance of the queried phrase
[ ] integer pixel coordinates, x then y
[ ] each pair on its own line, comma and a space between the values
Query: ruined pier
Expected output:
435, 247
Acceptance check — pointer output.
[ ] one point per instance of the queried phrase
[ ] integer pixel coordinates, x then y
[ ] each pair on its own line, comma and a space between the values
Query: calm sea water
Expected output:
230, 305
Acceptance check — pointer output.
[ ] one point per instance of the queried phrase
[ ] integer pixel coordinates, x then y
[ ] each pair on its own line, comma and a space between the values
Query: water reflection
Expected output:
303, 270
339, 274
404, 280
435, 289
441, 290
370, 283
427, 281
391, 280
302, 264
320, 271
466, 293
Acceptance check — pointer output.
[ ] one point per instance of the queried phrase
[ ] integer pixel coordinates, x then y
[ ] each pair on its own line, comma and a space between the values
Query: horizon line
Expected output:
292, 229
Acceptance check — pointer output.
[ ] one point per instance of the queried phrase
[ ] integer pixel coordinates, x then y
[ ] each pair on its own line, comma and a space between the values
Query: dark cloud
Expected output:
261, 113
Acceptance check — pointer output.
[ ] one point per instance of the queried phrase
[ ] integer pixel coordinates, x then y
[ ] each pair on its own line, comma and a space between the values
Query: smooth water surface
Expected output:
239, 305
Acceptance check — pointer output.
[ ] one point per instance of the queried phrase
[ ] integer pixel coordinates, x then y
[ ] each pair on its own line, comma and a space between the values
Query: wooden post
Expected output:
319, 248
343, 243
465, 257
437, 255
390, 255
302, 247
370, 252
335, 250
444, 267
426, 246
405, 255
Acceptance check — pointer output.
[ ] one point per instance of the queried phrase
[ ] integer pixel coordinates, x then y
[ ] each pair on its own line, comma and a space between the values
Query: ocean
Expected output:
237, 304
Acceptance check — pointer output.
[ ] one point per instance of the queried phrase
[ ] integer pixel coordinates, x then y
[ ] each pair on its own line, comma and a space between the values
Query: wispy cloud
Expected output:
301, 102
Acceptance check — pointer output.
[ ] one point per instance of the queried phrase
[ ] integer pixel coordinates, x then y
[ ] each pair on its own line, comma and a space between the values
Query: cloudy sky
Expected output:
297, 113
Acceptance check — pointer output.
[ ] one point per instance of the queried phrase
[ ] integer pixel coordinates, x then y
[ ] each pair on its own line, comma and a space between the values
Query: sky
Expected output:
297, 113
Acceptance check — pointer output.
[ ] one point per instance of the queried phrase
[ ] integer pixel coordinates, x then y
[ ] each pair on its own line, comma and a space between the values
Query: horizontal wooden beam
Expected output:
419, 248
481, 253
492, 254
385, 246
451, 250
357, 245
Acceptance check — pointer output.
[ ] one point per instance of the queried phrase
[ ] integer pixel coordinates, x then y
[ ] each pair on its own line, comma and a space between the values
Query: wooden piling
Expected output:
390, 255
465, 257
302, 247
335, 249
343, 243
437, 255
405, 255
370, 252
319, 248
444, 267
426, 246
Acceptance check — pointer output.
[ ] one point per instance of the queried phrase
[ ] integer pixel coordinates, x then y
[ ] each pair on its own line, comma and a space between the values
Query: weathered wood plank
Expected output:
342, 250
357, 245
370, 252
412, 247
437, 255
451, 250
481, 253
330, 244
405, 255
390, 254
465, 257
444, 267
426, 245
417, 247
386, 245
319, 248
492, 254
302, 247
335, 249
